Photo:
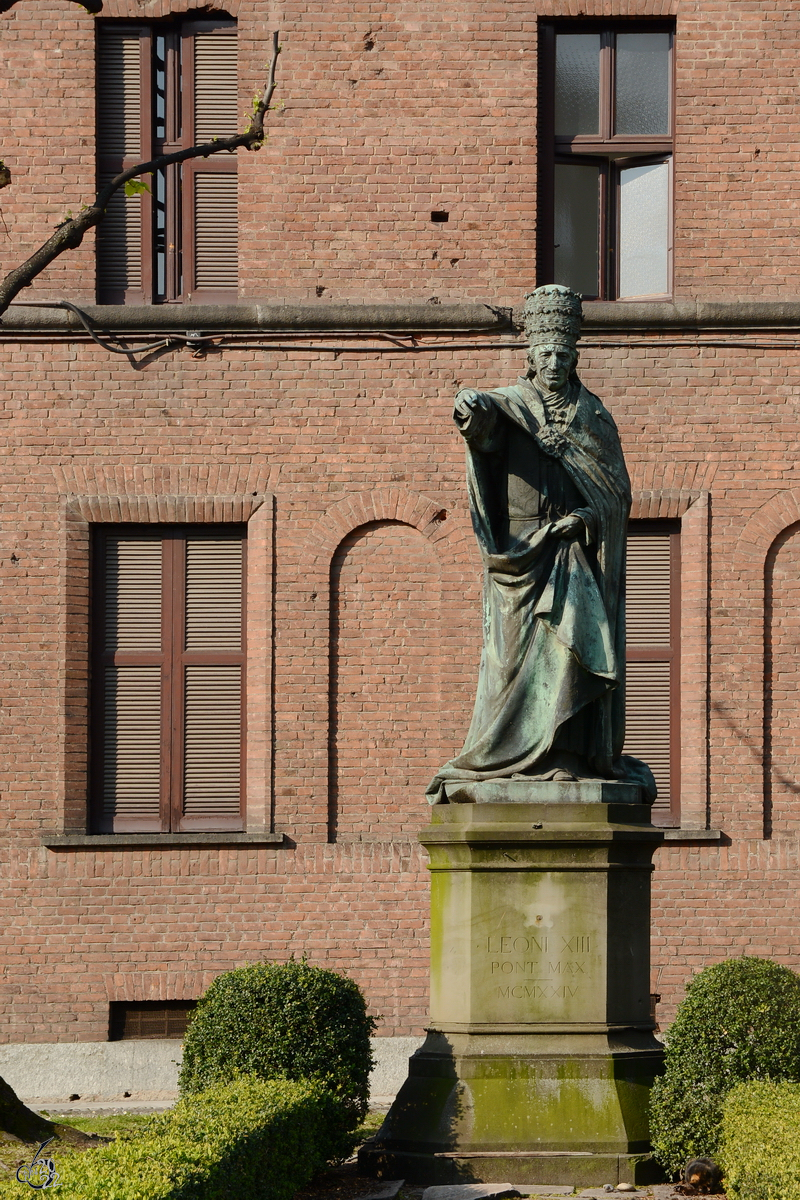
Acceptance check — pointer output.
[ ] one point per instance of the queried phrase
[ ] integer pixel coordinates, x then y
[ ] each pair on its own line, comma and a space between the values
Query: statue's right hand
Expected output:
470, 401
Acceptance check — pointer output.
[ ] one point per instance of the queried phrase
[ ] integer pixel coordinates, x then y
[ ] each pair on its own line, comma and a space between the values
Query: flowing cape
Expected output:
554, 627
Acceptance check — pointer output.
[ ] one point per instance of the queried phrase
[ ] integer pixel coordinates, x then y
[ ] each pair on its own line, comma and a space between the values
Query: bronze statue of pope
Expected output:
550, 496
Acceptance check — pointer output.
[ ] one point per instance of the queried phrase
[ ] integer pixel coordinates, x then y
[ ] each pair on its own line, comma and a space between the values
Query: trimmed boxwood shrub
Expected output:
760, 1148
740, 1021
253, 1138
283, 1020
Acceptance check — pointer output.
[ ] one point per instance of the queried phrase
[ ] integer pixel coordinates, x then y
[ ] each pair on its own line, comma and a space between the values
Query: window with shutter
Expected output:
168, 679
162, 87
652, 670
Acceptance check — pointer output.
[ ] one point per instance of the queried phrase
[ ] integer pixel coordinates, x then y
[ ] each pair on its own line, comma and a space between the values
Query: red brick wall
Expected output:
385, 691
389, 113
47, 117
77, 924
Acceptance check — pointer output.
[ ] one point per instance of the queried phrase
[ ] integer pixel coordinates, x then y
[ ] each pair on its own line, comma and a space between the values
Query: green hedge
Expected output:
254, 1138
760, 1150
283, 1021
740, 1021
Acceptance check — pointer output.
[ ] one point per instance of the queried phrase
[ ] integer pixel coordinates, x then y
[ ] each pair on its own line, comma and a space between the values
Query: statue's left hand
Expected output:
568, 527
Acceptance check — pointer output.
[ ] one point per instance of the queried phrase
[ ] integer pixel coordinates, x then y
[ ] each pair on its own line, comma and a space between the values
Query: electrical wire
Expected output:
85, 322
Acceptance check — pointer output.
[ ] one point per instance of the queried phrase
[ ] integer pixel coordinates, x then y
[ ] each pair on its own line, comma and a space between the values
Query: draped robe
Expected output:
551, 681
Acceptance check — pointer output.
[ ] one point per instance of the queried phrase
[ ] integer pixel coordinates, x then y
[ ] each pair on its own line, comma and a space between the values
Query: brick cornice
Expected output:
153, 9
608, 11
93, 6
662, 503
150, 509
144, 486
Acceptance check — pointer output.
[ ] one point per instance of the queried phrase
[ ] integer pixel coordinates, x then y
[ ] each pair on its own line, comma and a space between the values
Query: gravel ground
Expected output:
344, 1183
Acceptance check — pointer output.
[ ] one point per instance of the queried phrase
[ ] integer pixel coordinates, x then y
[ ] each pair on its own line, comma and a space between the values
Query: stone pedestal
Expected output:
540, 1054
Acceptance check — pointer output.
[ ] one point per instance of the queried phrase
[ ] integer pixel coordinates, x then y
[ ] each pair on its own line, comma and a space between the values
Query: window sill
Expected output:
693, 835
111, 841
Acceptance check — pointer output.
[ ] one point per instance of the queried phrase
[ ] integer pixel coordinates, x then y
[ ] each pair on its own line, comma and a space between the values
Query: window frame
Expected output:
610, 151
180, 234
172, 658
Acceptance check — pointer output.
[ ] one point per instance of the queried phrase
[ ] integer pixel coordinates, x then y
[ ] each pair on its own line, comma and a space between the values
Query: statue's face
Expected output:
553, 364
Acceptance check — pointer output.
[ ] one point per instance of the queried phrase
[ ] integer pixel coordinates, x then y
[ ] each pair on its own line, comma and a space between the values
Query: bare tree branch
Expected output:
70, 234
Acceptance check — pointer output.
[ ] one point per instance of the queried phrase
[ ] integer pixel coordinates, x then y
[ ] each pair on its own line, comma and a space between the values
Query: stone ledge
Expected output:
254, 318
111, 841
693, 835
44, 1074
410, 316
541, 791
689, 315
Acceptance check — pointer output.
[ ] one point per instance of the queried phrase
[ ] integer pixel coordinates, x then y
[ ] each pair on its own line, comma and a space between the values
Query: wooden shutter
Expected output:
213, 675
216, 93
216, 232
122, 141
168, 679
210, 196
213, 593
132, 748
213, 746
128, 683
651, 696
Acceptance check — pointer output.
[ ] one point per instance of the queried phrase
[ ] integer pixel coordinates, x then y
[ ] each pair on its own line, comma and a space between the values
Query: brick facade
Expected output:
364, 622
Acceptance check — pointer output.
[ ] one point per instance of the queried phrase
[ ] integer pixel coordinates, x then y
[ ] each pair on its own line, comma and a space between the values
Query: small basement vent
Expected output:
148, 1018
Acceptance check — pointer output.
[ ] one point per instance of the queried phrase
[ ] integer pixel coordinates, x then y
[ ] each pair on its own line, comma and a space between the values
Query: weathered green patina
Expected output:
549, 496
540, 1055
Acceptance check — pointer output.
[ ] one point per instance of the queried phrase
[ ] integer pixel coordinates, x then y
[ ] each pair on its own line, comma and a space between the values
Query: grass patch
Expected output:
371, 1124
13, 1155
107, 1126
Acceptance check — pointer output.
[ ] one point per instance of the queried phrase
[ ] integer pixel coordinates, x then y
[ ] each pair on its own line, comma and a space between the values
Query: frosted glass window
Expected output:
644, 230
642, 83
577, 227
577, 83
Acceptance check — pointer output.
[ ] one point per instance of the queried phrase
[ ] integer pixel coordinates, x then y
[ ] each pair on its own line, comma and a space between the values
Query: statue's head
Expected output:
552, 316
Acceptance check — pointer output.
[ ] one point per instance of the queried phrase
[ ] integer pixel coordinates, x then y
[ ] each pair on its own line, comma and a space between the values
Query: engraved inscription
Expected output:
553, 967
579, 944
525, 944
535, 991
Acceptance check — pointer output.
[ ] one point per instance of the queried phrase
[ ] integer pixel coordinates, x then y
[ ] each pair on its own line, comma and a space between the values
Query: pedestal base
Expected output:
541, 1052
574, 1170
537, 1108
